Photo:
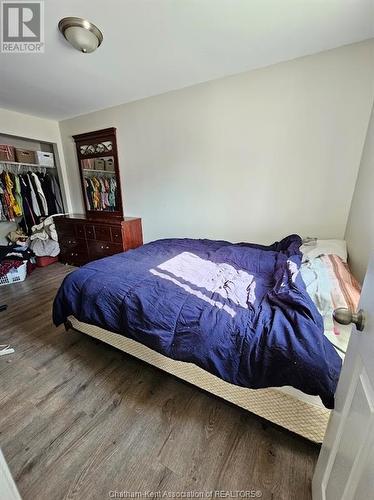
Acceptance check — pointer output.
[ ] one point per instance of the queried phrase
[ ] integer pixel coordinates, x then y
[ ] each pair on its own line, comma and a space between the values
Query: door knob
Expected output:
345, 316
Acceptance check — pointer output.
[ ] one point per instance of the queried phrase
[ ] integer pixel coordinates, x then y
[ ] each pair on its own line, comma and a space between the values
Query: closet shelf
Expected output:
17, 164
93, 170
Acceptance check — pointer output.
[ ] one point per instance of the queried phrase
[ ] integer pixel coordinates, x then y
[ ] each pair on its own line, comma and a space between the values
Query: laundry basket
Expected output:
15, 275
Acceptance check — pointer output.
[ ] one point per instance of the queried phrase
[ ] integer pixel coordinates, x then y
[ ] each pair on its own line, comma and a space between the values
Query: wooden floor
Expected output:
79, 419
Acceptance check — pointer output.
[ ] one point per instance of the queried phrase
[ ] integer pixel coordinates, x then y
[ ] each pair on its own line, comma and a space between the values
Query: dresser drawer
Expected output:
98, 249
79, 231
90, 231
67, 240
116, 234
73, 251
65, 229
102, 233
71, 243
73, 258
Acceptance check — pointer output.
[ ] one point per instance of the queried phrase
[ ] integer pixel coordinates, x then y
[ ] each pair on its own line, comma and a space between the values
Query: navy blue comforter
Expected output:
239, 311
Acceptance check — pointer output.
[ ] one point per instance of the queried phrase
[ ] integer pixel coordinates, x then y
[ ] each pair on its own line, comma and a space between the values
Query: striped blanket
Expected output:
330, 284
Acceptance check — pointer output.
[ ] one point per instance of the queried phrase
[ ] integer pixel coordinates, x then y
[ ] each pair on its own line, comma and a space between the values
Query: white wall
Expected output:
38, 129
360, 227
249, 157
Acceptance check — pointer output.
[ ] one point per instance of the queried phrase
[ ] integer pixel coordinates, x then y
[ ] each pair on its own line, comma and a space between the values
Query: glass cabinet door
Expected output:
100, 184
98, 161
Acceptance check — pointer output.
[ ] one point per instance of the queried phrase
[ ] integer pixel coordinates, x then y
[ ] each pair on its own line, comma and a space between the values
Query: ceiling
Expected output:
153, 46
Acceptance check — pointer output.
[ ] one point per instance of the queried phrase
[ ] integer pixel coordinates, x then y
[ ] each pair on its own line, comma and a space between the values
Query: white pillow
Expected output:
313, 248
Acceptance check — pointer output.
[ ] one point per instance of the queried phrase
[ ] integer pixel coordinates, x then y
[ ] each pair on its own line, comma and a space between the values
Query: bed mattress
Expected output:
238, 311
329, 284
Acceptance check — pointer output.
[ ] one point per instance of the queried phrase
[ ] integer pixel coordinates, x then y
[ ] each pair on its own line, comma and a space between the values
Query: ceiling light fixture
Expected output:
81, 34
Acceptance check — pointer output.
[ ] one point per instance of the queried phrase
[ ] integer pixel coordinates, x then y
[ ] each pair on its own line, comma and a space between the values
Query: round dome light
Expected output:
81, 34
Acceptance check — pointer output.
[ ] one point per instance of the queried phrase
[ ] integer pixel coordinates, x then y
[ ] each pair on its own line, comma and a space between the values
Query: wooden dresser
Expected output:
83, 239
103, 230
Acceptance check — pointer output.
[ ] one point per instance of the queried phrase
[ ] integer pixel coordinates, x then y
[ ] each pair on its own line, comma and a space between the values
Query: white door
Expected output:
345, 468
8, 489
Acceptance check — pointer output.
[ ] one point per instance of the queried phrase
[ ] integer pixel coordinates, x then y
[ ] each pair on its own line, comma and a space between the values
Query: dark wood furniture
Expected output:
103, 230
98, 159
83, 239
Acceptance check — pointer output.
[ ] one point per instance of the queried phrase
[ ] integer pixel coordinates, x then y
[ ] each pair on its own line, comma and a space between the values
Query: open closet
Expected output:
29, 195
29, 183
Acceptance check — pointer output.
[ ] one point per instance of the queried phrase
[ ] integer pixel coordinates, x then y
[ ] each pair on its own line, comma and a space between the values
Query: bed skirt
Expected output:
299, 413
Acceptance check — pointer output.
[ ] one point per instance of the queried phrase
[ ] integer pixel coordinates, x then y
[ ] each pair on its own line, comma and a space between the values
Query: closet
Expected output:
29, 183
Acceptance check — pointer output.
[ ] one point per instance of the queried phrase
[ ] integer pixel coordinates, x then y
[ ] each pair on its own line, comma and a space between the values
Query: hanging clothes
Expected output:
57, 194
3, 206
112, 194
101, 192
29, 218
40, 194
29, 196
17, 192
5, 200
34, 200
46, 184
9, 185
88, 193
96, 193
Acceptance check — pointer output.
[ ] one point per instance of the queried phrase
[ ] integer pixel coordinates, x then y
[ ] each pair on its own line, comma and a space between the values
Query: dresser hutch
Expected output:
103, 230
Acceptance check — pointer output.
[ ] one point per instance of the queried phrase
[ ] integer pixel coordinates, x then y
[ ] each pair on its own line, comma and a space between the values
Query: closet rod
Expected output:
17, 164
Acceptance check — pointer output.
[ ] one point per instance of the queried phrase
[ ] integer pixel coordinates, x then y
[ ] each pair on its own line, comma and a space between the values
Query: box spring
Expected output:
287, 407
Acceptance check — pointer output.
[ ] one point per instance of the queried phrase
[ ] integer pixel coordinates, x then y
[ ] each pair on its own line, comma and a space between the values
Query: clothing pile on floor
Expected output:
44, 240
13, 256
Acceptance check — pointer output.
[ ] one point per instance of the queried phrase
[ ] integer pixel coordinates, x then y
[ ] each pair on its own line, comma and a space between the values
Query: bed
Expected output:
238, 320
